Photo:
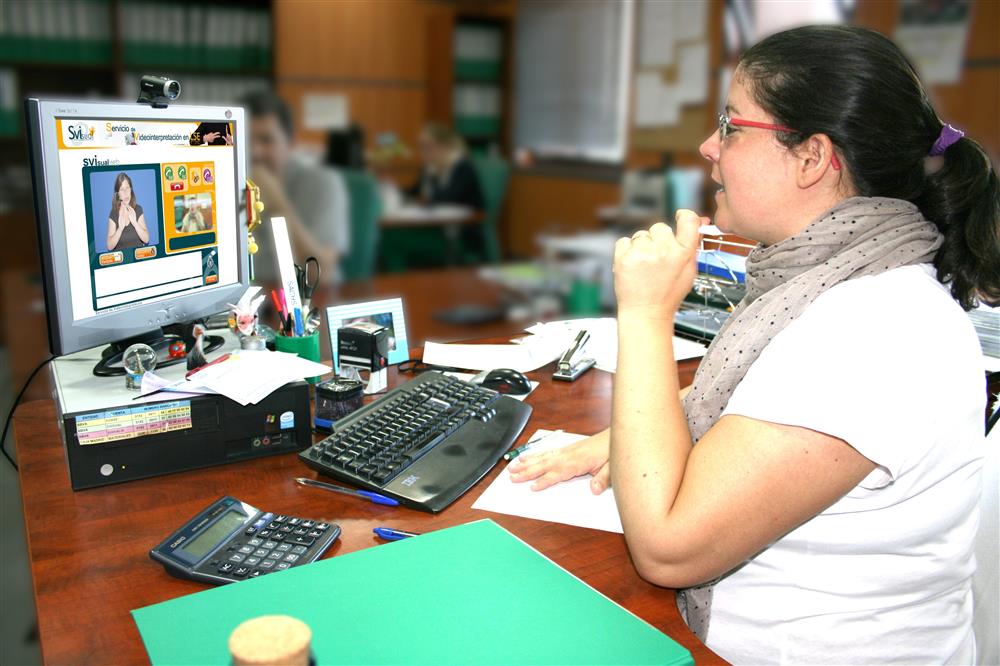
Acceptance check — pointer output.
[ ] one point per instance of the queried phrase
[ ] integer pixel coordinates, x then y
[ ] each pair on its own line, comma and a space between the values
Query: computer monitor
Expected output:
141, 220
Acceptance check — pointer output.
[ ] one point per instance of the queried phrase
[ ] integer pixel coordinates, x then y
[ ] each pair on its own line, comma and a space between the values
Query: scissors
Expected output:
307, 279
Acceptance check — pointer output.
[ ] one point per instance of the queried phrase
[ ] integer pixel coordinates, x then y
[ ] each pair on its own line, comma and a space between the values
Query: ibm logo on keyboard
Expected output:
410, 480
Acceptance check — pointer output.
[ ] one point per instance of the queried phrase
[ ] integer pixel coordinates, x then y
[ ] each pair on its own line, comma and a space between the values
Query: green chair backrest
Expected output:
493, 173
366, 208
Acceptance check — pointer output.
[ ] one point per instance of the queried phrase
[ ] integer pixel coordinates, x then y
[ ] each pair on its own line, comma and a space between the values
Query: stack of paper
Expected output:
546, 343
246, 377
603, 344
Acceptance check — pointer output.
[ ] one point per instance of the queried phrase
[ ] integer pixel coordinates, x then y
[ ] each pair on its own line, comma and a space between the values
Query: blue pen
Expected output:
298, 322
390, 534
374, 497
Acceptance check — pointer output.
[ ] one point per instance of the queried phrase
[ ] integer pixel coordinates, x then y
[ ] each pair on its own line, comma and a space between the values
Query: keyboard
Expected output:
424, 443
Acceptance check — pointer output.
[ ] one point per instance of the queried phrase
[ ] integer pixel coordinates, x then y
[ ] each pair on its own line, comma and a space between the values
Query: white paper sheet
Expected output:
656, 33
692, 74
523, 357
570, 502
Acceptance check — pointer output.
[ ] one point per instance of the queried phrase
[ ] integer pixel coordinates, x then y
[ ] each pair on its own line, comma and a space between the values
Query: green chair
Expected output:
493, 174
366, 208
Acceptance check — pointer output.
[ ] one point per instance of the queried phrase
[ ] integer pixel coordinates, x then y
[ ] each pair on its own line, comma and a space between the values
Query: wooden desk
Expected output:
89, 549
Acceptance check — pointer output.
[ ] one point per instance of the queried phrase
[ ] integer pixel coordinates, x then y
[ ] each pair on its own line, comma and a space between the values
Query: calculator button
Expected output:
270, 545
226, 567
284, 547
302, 540
315, 534
294, 521
254, 542
250, 531
254, 573
300, 531
280, 519
291, 557
253, 560
261, 552
266, 564
241, 571
322, 527
273, 525
236, 558
246, 550
278, 536
286, 529
267, 516
281, 566
299, 550
263, 534
308, 524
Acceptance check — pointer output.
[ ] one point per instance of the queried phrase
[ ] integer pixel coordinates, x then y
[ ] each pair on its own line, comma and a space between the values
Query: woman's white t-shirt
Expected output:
890, 364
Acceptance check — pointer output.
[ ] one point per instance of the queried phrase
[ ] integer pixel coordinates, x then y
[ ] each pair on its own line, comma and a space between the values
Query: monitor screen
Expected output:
140, 216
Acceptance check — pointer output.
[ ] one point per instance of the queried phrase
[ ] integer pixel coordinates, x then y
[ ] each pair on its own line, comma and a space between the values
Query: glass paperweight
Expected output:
137, 360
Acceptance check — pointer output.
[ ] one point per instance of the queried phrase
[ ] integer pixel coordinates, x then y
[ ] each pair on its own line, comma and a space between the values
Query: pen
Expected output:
277, 303
298, 322
218, 360
374, 497
510, 455
390, 534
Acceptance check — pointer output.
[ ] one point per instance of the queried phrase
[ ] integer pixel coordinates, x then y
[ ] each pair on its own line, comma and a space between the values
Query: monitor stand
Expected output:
110, 364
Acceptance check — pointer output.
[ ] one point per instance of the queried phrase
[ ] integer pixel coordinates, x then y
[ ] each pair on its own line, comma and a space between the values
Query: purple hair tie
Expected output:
948, 136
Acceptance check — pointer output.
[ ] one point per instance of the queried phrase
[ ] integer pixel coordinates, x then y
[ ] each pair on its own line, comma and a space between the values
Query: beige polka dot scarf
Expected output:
857, 237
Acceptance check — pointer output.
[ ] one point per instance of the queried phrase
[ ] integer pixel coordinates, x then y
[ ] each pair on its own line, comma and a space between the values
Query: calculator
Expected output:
230, 541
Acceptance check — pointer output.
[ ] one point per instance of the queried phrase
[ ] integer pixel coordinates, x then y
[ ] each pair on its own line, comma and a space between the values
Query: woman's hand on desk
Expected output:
588, 456
654, 269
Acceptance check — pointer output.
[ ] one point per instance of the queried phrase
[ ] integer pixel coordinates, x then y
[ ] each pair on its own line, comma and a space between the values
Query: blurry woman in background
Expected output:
447, 175
126, 223
816, 489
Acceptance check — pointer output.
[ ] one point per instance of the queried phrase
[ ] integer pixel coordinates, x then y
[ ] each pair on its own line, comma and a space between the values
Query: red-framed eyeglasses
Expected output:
727, 123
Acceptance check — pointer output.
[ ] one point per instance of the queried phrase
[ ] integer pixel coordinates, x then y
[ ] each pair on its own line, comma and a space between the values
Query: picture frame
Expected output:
387, 312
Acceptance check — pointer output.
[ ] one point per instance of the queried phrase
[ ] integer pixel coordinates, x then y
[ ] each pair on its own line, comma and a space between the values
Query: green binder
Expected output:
471, 594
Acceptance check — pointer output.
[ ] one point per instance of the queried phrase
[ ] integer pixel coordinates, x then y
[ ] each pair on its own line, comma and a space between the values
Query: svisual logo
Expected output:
78, 133
410, 480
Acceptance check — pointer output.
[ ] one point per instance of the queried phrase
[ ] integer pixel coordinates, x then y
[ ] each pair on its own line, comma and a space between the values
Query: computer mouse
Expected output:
504, 380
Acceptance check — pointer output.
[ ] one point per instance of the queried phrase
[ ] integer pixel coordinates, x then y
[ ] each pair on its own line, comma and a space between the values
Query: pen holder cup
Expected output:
306, 346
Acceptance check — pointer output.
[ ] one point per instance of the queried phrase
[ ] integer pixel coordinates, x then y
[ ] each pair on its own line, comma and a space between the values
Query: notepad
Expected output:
570, 502
471, 594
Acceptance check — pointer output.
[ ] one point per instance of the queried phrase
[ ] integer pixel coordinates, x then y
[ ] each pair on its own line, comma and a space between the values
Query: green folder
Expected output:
471, 594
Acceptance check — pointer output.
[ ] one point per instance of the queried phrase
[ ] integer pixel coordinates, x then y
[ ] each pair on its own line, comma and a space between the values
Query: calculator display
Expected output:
199, 546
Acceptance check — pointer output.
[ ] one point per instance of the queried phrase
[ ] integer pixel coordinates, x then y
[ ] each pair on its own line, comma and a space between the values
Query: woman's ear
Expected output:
814, 156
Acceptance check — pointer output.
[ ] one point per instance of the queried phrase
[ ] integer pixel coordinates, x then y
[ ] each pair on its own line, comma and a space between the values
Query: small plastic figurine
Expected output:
196, 357
244, 319
177, 349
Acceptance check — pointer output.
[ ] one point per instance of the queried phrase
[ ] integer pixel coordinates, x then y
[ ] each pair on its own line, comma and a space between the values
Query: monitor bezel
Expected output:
67, 335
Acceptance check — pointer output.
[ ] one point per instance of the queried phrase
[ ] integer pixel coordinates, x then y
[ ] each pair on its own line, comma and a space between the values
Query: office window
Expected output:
571, 78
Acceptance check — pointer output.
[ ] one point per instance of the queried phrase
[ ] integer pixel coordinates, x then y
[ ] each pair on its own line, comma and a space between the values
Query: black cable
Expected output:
10, 413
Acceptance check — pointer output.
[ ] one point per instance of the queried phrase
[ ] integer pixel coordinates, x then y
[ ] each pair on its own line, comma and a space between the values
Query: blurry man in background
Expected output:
313, 199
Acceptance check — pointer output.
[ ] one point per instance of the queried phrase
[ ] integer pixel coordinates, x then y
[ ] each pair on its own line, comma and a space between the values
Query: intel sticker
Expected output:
287, 420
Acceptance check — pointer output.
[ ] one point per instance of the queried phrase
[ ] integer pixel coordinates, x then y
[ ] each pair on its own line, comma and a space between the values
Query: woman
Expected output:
447, 175
126, 223
816, 489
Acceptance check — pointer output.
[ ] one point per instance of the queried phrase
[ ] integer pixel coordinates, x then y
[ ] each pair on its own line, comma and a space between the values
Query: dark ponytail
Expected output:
857, 87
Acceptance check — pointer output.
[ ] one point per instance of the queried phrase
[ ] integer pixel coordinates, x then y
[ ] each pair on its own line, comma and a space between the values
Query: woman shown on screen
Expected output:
126, 223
